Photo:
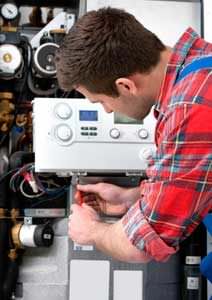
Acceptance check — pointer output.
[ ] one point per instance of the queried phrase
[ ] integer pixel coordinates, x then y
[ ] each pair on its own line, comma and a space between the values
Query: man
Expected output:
109, 57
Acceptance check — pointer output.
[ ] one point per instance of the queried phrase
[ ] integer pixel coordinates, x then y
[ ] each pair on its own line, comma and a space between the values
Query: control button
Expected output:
114, 133
63, 111
84, 128
84, 133
93, 128
143, 133
64, 132
146, 153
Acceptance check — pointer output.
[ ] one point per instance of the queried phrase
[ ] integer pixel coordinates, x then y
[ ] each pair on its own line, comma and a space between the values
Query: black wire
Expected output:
3, 138
41, 201
2, 178
25, 44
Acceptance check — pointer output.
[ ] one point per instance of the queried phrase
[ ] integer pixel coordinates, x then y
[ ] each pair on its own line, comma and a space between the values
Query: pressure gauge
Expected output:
9, 11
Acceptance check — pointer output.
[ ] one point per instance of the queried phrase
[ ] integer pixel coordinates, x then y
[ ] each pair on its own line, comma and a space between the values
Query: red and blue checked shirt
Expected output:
178, 193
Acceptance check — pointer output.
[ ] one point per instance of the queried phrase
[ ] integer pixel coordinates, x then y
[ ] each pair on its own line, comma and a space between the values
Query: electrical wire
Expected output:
47, 199
7, 174
50, 191
31, 196
15, 176
36, 184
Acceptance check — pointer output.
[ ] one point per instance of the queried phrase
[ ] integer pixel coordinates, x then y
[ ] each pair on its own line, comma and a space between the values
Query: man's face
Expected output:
131, 106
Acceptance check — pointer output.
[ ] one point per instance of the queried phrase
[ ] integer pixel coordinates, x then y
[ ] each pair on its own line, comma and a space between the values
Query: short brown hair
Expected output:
102, 46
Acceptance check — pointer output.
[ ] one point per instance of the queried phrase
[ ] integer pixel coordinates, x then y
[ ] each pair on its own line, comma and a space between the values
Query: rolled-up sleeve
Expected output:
177, 194
143, 236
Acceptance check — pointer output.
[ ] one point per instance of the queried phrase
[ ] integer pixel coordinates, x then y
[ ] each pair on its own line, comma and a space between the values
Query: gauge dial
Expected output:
9, 11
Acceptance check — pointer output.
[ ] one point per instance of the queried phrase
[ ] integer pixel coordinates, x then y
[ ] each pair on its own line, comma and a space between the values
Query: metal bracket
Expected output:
78, 173
135, 173
28, 220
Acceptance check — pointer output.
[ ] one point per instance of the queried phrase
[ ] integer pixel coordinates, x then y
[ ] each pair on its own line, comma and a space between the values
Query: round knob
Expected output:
63, 111
143, 133
146, 153
115, 133
64, 132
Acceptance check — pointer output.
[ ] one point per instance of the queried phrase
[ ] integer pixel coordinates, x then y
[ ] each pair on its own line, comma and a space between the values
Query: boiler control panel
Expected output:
77, 136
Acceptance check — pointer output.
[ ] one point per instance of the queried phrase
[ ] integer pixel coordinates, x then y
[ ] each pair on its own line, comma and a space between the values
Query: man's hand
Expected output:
108, 198
82, 223
85, 228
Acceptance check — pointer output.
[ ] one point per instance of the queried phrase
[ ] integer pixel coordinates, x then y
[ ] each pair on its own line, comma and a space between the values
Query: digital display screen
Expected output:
88, 115
122, 119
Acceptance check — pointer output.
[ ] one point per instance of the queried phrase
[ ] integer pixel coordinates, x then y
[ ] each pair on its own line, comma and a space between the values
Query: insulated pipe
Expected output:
3, 193
4, 228
11, 275
19, 158
8, 266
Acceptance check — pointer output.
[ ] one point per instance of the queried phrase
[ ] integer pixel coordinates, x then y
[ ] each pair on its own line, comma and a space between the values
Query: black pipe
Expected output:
3, 193
7, 267
11, 278
4, 221
20, 158
4, 228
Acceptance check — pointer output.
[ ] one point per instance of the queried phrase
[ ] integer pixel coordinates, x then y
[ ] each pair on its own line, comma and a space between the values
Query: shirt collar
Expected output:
180, 52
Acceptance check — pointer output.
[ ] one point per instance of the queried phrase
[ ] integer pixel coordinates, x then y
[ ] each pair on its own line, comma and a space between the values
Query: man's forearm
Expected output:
131, 195
112, 240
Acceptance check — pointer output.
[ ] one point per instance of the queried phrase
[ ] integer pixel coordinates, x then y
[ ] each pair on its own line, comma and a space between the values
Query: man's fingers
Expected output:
89, 198
84, 196
89, 188
74, 207
84, 205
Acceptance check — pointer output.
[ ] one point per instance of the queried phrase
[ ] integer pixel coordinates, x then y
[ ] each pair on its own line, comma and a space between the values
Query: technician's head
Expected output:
107, 56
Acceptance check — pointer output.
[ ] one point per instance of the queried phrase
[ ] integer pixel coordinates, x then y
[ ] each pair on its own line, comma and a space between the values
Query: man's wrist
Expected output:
131, 196
99, 232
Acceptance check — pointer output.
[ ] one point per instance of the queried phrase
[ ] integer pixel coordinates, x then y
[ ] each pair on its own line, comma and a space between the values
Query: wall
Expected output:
168, 19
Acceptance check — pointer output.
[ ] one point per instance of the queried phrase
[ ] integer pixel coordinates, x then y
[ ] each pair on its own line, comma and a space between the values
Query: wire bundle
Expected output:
33, 185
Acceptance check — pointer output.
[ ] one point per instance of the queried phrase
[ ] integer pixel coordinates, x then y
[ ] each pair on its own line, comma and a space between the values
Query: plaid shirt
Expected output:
178, 193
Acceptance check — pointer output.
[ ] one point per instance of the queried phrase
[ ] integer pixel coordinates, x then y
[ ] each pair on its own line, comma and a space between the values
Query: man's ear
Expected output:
126, 86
